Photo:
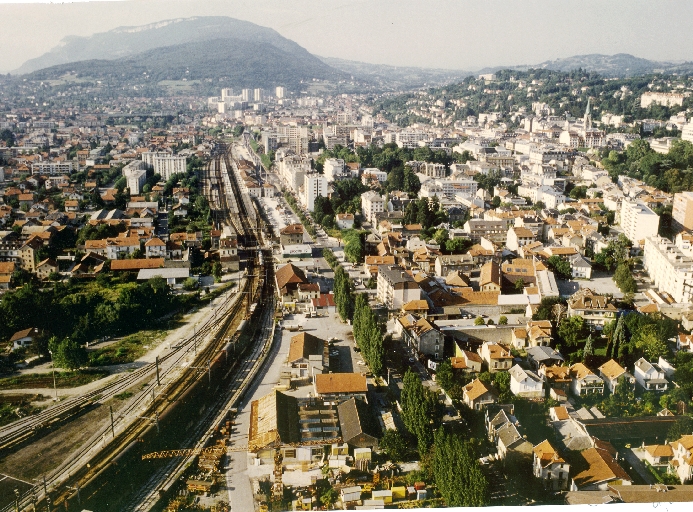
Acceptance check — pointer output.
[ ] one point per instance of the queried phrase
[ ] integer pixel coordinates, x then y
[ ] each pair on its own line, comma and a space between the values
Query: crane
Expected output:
188, 452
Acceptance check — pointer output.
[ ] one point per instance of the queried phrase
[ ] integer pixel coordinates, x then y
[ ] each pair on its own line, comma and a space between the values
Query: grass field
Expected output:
179, 85
45, 380
126, 350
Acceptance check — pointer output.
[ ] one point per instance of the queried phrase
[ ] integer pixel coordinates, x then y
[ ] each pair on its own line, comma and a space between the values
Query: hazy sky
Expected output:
453, 34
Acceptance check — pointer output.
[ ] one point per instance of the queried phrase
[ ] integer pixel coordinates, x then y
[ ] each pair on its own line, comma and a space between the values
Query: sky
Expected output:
450, 34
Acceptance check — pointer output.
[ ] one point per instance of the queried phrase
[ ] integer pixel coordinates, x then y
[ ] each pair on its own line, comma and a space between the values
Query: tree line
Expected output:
368, 334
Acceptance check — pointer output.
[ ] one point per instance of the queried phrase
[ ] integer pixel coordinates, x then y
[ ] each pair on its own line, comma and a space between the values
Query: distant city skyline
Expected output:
450, 34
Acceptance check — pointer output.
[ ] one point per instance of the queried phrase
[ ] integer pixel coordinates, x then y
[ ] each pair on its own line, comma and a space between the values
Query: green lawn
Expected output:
45, 380
126, 350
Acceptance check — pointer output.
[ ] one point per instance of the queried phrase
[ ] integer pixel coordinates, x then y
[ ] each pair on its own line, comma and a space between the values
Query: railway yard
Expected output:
181, 401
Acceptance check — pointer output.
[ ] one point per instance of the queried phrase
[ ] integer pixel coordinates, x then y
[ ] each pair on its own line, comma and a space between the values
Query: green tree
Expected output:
503, 320
589, 349
217, 271
649, 340
573, 330
457, 473
67, 354
421, 410
444, 375
394, 444
560, 267
479, 321
457, 245
682, 427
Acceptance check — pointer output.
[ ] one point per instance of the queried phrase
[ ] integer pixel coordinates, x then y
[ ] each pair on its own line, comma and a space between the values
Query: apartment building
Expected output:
164, 164
136, 176
493, 230
52, 168
292, 169
433, 170
333, 168
667, 99
396, 287
682, 212
314, 185
638, 221
670, 269
371, 204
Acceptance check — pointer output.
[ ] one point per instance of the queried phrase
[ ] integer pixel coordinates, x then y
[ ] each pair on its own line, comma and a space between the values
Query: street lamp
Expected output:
55, 387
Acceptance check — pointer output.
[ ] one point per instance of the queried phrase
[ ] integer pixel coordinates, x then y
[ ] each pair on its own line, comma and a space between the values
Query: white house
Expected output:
611, 372
23, 338
345, 220
584, 381
682, 461
550, 467
580, 268
525, 383
650, 376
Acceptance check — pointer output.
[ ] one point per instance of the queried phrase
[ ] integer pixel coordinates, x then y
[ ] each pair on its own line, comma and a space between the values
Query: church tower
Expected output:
587, 121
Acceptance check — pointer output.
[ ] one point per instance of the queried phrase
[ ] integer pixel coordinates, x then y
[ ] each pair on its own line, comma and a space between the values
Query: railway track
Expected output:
97, 454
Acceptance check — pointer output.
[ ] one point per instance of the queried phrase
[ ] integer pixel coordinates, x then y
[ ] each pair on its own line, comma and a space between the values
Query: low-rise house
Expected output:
585, 382
525, 383
7, 268
444, 264
287, 280
580, 267
345, 220
550, 467
496, 357
72, 206
339, 385
658, 454
490, 277
418, 308
372, 263
558, 377
512, 445
611, 372
650, 376
519, 337
518, 237
45, 268
596, 310
543, 356
539, 333
683, 342
308, 291
113, 248
308, 355
421, 335
24, 338
595, 469
155, 248
682, 459
291, 235
472, 360
323, 305
477, 395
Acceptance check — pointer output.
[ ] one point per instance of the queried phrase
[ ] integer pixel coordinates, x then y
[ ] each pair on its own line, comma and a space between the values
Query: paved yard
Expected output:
601, 283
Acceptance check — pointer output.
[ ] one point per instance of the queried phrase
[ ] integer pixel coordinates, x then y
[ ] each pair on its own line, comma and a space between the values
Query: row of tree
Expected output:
368, 334
71, 311
457, 472
422, 412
